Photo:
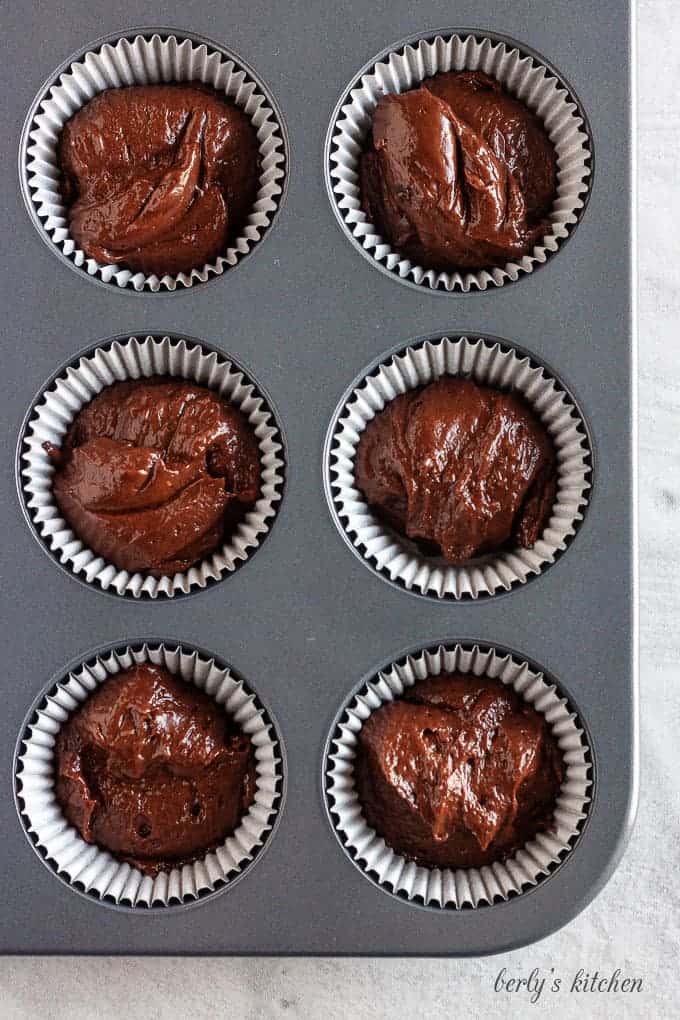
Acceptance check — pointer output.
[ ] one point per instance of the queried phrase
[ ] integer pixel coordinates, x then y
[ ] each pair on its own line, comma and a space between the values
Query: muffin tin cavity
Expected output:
91, 870
487, 361
526, 76
144, 59
74, 386
447, 888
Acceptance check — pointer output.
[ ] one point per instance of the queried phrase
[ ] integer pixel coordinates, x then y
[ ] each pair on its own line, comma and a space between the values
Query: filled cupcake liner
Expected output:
137, 358
459, 887
489, 363
143, 61
94, 870
524, 78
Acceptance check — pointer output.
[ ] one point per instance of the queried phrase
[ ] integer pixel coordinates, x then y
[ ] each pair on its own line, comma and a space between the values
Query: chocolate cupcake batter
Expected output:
153, 770
458, 174
153, 475
462, 469
458, 773
158, 178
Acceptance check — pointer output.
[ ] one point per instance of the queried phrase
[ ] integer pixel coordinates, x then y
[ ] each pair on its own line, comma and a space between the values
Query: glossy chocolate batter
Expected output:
153, 475
158, 178
462, 469
458, 773
153, 770
458, 174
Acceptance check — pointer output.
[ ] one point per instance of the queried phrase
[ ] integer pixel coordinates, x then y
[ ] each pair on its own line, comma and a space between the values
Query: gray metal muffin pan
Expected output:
303, 622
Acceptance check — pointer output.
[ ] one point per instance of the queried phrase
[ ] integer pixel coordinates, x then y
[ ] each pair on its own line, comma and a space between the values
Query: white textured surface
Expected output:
635, 922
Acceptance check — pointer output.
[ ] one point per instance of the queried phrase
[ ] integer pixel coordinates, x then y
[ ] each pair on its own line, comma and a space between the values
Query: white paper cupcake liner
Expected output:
95, 871
396, 557
136, 358
405, 67
145, 60
460, 887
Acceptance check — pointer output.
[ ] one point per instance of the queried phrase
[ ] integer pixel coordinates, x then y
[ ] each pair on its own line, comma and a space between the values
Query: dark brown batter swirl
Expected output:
460, 468
153, 770
154, 475
458, 174
459, 772
158, 178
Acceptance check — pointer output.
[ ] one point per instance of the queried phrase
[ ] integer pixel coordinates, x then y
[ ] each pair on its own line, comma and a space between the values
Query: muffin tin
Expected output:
304, 623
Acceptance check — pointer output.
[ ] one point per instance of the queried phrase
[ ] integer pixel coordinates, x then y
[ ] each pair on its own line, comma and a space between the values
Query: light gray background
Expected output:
635, 923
